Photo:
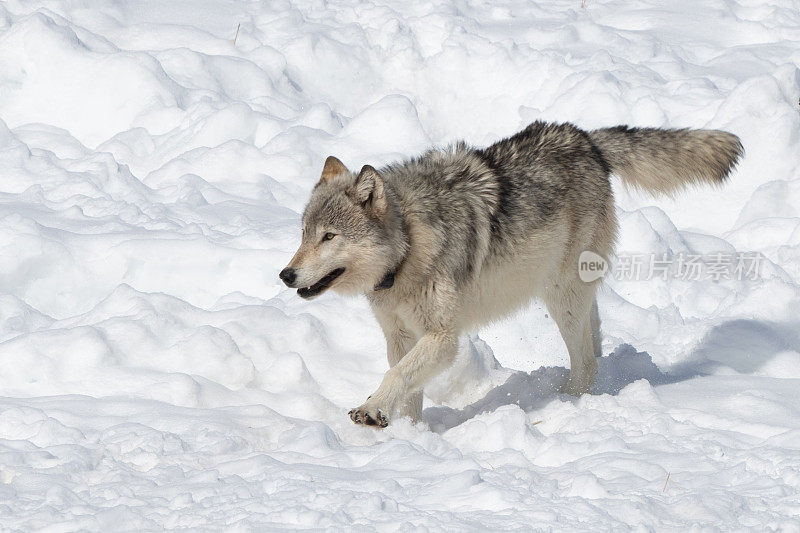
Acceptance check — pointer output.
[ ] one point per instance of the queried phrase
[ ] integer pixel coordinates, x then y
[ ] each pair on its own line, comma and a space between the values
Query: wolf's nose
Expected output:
288, 276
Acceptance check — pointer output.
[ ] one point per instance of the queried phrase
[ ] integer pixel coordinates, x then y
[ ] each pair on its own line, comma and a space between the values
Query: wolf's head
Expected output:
352, 236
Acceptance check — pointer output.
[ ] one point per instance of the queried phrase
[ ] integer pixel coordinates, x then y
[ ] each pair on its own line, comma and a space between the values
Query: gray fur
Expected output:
470, 235
664, 161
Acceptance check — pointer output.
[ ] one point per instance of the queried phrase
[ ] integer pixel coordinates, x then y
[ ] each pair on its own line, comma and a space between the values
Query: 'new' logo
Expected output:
591, 266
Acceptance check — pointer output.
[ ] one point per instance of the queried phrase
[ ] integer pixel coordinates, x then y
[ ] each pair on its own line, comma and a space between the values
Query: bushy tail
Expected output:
664, 161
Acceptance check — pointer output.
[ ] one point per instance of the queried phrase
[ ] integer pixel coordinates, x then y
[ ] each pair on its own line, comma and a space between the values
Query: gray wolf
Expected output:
458, 237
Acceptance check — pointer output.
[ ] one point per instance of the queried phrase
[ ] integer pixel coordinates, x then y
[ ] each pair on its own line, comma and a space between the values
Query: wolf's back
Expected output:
664, 161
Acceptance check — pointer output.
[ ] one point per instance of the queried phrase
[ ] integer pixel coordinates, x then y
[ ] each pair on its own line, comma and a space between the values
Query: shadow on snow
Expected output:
740, 345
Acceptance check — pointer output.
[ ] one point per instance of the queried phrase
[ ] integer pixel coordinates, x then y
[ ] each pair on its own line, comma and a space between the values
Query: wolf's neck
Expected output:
396, 227
387, 282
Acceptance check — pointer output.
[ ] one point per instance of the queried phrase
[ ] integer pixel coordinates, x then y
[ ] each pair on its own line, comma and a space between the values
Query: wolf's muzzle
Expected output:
320, 286
288, 276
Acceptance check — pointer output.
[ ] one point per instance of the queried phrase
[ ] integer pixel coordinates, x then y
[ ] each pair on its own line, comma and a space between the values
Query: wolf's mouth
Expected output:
321, 285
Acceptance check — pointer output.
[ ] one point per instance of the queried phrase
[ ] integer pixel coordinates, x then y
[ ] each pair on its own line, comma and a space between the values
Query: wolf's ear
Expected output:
333, 167
368, 190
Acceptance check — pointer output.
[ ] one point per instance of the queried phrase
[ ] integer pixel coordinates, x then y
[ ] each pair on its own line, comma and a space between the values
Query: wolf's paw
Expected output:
369, 417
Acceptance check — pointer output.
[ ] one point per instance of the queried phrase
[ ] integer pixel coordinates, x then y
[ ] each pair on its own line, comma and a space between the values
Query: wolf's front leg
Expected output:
398, 343
434, 352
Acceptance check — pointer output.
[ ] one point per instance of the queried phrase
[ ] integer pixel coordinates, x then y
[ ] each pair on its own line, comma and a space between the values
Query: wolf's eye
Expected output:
328, 236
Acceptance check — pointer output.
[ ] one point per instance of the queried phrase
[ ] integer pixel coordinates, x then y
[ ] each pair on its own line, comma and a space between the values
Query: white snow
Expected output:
154, 373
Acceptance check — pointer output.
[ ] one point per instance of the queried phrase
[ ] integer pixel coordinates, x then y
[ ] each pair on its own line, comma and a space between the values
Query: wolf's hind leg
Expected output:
571, 304
594, 331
